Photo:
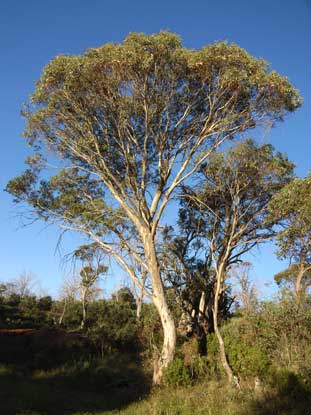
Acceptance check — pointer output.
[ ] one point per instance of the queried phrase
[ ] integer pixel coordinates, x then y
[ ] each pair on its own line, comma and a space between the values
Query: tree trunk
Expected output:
223, 357
61, 318
202, 305
139, 303
298, 287
159, 300
201, 335
169, 339
84, 290
138, 308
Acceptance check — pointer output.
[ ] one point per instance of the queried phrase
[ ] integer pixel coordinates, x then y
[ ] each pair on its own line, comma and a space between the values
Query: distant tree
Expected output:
68, 294
91, 257
23, 285
246, 293
124, 295
45, 303
296, 276
293, 205
129, 123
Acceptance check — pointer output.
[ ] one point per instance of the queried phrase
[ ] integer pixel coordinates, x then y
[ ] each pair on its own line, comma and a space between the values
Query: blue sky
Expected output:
32, 32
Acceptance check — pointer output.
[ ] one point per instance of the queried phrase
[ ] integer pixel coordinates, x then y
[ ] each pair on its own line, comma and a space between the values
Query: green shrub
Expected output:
246, 358
283, 330
290, 384
198, 368
177, 373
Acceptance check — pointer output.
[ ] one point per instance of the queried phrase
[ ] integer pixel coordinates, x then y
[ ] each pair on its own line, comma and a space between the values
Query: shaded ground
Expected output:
109, 391
41, 376
56, 393
52, 372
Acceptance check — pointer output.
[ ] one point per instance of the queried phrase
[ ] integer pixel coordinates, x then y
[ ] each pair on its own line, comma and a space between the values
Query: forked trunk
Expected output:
159, 300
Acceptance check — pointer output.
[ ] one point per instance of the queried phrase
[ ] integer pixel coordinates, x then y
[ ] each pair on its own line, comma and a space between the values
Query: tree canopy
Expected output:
293, 206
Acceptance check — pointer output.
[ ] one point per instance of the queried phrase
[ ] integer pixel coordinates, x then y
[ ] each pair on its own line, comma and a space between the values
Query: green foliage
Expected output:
73, 98
113, 324
248, 360
245, 355
177, 373
291, 384
62, 370
25, 312
263, 343
288, 277
283, 330
292, 205
150, 334
236, 187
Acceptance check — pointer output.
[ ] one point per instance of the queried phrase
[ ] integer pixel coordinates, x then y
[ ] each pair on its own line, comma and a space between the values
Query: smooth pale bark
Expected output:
139, 303
201, 334
84, 291
300, 275
61, 318
167, 320
139, 295
169, 337
223, 357
202, 305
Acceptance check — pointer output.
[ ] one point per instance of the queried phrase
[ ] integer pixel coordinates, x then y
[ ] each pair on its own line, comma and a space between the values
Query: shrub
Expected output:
177, 373
290, 384
245, 356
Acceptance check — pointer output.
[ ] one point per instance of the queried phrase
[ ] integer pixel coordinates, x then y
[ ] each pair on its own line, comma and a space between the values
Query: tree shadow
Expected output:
291, 395
47, 374
87, 391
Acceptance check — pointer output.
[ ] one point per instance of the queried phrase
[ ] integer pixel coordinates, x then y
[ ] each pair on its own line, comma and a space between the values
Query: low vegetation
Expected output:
106, 367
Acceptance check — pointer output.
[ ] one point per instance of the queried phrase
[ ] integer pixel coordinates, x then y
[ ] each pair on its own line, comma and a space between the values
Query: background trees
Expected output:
129, 123
92, 260
293, 206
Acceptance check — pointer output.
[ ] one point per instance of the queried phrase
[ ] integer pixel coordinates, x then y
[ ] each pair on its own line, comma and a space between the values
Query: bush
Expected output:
283, 330
246, 357
177, 373
290, 384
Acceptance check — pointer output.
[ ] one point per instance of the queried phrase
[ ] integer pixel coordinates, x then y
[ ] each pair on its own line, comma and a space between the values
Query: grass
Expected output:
81, 388
118, 386
215, 398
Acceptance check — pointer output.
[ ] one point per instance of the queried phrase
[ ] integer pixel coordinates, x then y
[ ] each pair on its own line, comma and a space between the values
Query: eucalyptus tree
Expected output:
293, 205
92, 259
226, 214
246, 292
127, 124
296, 276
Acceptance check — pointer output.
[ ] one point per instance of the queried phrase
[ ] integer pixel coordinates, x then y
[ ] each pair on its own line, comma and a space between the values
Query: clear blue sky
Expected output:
32, 32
